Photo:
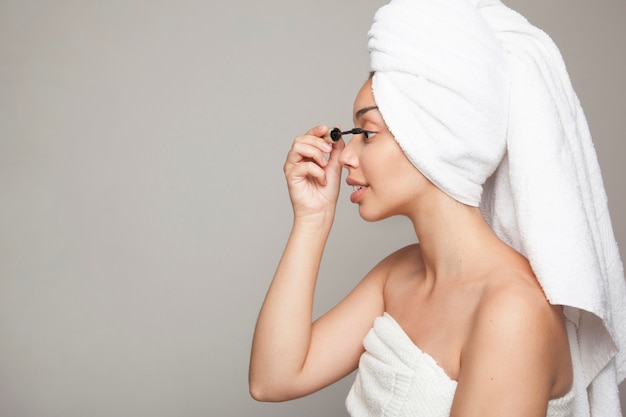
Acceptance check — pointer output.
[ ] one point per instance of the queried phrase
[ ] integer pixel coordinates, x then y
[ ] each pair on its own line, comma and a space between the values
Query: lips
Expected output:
359, 189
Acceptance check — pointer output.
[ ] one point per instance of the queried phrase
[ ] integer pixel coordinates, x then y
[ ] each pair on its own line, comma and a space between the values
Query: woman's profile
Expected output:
510, 303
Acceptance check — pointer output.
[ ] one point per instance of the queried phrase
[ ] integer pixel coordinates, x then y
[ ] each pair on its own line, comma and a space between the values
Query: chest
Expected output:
437, 320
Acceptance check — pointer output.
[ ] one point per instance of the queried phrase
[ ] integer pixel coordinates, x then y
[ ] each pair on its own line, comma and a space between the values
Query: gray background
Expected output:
142, 203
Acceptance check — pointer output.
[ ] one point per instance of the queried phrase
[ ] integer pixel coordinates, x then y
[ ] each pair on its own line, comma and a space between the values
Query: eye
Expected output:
367, 134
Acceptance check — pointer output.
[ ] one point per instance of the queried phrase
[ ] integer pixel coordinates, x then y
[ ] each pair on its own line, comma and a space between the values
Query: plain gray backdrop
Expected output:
143, 207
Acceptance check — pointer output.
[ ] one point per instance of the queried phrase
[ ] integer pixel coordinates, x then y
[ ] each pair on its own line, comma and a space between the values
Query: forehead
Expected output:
364, 97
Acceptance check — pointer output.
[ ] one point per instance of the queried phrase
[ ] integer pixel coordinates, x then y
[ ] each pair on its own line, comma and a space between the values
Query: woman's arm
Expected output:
291, 356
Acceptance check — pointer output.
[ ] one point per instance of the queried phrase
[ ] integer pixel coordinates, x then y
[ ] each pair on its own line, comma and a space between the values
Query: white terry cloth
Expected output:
480, 101
441, 84
397, 379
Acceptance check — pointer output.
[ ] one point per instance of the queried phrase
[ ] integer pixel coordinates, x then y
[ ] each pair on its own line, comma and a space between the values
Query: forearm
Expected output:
283, 332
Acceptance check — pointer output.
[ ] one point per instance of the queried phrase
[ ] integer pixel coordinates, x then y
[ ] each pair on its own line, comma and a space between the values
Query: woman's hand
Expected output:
312, 178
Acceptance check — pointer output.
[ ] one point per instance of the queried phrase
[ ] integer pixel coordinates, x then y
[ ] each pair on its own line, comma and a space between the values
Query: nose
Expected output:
348, 157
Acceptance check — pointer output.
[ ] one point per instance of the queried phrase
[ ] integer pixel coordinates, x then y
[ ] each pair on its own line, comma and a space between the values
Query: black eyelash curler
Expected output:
336, 133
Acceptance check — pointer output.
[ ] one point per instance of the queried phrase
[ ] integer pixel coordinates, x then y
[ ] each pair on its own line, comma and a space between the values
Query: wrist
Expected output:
314, 227
318, 220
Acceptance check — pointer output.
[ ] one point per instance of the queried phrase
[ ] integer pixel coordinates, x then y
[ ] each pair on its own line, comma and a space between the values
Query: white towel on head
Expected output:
546, 197
446, 91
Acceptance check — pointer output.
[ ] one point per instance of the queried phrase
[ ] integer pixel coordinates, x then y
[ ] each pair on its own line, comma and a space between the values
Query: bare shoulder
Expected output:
409, 253
517, 354
514, 298
402, 259
405, 259
513, 315
514, 305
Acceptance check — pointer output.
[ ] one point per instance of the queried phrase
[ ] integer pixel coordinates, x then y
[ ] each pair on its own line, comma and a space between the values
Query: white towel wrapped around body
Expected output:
481, 103
396, 378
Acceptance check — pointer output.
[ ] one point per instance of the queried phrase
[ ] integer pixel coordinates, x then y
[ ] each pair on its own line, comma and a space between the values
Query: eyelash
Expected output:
368, 133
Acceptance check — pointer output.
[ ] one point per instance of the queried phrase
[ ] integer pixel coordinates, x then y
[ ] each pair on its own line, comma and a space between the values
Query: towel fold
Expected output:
396, 378
481, 103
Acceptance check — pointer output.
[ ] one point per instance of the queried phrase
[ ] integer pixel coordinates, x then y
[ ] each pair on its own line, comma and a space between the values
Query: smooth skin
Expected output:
461, 295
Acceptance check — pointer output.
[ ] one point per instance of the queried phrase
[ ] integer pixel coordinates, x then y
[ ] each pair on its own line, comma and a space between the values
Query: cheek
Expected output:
404, 182
399, 169
386, 165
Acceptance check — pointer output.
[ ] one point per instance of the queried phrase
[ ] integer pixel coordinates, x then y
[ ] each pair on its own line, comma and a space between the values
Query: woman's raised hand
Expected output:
312, 178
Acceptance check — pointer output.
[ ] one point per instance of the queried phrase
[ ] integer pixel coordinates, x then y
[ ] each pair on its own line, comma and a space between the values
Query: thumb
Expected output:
338, 147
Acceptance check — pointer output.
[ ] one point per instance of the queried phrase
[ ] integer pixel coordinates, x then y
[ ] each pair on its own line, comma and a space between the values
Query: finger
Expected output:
333, 158
309, 147
312, 140
307, 170
323, 132
320, 131
336, 150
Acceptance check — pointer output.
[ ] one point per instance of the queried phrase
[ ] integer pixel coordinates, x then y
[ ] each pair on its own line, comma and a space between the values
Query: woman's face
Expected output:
384, 180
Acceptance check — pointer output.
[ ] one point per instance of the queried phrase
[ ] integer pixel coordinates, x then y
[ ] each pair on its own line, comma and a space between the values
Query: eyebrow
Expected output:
364, 110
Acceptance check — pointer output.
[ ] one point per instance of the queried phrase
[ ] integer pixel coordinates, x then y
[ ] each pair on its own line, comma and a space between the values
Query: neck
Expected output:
455, 240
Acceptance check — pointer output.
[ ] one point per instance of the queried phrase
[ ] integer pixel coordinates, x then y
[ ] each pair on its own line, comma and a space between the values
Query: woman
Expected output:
458, 324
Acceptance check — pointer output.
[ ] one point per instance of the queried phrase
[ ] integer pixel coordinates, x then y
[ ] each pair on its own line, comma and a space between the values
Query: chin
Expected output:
372, 216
